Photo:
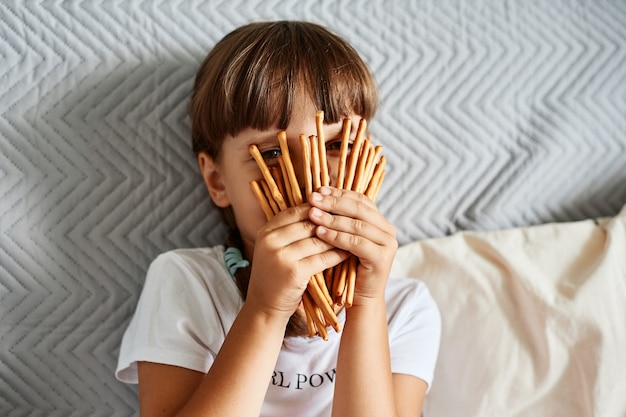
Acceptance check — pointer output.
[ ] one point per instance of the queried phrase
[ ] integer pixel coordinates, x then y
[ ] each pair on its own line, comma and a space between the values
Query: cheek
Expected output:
248, 215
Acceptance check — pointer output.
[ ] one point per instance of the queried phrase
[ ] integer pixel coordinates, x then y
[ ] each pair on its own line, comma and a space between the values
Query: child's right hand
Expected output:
286, 254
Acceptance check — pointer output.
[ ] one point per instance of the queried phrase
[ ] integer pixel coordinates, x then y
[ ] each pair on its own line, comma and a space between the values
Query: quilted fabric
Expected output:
493, 115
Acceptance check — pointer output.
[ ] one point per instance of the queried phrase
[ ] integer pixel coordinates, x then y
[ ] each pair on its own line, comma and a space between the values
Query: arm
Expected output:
287, 253
365, 385
235, 384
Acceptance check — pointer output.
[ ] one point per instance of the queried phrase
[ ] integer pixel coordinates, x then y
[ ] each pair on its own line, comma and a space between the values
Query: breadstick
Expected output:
343, 152
355, 154
321, 282
371, 167
306, 165
328, 278
376, 177
378, 185
350, 281
320, 322
320, 300
310, 313
335, 278
315, 162
256, 189
291, 173
278, 197
342, 299
321, 143
279, 174
270, 199
321, 326
361, 168
339, 282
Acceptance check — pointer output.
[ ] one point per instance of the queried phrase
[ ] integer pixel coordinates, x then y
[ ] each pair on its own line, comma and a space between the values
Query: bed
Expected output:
504, 126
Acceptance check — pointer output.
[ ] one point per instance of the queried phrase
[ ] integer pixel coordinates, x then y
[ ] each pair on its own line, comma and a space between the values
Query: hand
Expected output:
350, 221
287, 253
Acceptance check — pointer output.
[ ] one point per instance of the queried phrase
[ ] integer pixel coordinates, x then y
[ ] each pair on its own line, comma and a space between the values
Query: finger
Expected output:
280, 235
298, 242
288, 216
333, 192
360, 238
343, 224
348, 204
352, 222
299, 249
324, 260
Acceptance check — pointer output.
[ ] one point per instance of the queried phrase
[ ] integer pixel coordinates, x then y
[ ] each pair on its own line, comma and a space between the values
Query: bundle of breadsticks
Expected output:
360, 169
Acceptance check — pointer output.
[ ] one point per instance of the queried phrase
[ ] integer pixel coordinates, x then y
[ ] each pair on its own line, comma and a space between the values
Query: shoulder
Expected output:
199, 263
409, 300
193, 259
402, 291
187, 305
191, 272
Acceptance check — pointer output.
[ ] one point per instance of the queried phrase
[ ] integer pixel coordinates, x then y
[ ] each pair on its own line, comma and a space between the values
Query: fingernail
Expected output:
316, 197
325, 190
316, 212
321, 230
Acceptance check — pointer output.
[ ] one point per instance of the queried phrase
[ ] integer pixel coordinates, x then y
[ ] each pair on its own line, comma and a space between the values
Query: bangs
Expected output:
298, 60
264, 67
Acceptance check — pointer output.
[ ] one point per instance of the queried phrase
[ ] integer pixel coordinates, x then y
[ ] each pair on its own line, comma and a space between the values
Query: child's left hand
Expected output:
351, 221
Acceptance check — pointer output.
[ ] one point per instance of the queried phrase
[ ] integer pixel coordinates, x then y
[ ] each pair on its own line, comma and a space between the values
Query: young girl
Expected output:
217, 334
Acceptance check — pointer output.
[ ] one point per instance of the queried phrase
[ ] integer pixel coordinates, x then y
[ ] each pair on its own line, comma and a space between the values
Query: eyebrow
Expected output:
271, 139
260, 139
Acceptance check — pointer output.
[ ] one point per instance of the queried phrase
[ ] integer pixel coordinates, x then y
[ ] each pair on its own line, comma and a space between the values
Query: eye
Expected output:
334, 146
270, 154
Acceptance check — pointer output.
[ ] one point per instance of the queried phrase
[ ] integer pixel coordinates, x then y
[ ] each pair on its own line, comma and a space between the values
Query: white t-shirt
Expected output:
189, 302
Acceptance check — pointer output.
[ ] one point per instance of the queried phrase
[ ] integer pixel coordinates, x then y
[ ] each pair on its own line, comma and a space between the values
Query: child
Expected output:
220, 331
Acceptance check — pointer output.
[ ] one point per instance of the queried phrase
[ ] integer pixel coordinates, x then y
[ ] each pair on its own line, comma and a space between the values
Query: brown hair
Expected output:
250, 80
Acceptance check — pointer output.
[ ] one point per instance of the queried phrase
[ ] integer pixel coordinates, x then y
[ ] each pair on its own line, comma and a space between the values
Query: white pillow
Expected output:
534, 319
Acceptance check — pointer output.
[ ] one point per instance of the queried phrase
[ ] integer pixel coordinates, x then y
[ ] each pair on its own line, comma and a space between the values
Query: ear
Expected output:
213, 179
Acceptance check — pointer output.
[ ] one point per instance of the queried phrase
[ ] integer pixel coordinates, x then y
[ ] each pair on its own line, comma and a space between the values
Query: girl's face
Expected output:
228, 180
